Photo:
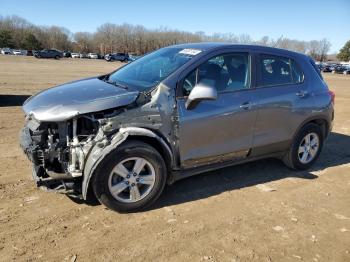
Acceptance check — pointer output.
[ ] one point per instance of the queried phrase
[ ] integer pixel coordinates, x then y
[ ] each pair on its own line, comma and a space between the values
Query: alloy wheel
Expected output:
131, 180
308, 148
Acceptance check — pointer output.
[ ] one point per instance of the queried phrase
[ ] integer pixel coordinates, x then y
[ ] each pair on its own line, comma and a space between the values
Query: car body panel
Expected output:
226, 128
65, 101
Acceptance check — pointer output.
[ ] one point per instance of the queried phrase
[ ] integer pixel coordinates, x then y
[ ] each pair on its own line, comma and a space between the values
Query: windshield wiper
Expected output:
116, 84
120, 85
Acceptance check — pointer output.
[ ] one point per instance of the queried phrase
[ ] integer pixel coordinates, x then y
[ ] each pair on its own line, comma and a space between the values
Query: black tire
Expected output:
291, 158
126, 150
57, 57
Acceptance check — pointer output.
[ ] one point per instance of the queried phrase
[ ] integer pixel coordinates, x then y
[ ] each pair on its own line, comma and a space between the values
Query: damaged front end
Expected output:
63, 123
58, 150
66, 150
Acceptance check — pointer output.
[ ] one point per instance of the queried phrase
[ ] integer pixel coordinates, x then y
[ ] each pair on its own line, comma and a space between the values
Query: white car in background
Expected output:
93, 55
17, 52
75, 55
6, 51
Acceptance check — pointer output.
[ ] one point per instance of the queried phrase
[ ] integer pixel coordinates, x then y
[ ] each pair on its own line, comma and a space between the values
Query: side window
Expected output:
189, 82
228, 72
297, 73
275, 70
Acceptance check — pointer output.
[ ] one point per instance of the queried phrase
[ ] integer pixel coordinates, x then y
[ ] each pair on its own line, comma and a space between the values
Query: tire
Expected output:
57, 57
104, 180
294, 157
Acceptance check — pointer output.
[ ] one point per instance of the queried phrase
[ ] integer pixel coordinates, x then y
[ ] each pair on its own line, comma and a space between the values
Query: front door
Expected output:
221, 129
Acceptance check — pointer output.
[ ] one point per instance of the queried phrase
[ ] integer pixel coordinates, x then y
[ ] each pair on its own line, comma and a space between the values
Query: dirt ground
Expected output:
259, 211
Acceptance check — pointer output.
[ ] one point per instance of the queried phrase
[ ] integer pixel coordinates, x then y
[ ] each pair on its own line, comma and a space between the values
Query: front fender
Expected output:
101, 149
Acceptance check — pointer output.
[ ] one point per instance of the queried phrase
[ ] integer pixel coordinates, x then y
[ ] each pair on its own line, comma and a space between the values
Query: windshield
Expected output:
149, 70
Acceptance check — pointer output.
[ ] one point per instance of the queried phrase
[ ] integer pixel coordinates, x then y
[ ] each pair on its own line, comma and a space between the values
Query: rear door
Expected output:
284, 100
220, 129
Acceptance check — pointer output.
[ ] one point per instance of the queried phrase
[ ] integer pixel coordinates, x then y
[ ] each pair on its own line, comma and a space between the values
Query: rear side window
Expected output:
277, 70
316, 68
297, 73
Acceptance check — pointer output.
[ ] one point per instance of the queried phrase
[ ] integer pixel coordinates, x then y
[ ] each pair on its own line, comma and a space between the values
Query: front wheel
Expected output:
131, 178
305, 148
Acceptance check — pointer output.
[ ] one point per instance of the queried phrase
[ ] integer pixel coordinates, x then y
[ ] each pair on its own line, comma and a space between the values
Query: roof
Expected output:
209, 46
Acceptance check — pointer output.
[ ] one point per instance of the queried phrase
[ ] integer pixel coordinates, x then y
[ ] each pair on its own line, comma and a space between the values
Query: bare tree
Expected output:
110, 38
325, 46
84, 41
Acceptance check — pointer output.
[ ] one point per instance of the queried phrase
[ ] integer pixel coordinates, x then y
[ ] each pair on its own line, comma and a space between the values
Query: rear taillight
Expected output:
332, 94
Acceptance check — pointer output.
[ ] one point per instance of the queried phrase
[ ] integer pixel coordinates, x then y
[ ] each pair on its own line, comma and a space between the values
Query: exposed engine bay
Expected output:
58, 149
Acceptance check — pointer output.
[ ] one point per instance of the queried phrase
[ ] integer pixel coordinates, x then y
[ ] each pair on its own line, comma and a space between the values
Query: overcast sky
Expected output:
296, 19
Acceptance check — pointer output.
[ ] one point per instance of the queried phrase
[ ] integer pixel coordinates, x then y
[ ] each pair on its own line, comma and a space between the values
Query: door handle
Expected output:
302, 93
246, 105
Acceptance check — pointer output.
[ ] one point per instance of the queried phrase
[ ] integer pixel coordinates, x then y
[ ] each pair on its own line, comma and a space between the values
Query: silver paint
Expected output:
79, 97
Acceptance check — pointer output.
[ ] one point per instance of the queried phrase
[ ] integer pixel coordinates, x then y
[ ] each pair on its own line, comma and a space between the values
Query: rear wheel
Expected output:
130, 178
57, 57
305, 148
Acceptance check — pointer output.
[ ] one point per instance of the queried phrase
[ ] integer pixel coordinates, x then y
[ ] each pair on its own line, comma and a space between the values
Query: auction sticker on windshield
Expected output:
188, 51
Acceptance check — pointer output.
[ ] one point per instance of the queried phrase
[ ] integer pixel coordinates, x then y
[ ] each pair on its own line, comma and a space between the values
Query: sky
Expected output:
296, 19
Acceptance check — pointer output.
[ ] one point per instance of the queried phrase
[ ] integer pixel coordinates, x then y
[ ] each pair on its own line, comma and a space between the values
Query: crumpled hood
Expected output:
79, 97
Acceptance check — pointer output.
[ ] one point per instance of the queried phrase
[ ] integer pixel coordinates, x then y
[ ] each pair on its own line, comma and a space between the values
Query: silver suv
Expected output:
176, 112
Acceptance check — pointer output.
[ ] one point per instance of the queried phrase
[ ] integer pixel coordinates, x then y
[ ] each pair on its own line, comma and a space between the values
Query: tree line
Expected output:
17, 32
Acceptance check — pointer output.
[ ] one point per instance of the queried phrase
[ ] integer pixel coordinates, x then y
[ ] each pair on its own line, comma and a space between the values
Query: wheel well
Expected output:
321, 123
157, 145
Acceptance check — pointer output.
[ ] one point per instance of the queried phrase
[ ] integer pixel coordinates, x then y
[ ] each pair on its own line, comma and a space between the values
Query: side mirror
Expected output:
204, 90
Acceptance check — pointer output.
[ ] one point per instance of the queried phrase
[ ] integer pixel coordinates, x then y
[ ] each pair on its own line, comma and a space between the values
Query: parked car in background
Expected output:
67, 54
339, 69
93, 56
123, 57
333, 66
6, 51
326, 69
346, 70
30, 52
176, 112
17, 52
49, 53
83, 55
133, 57
75, 55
